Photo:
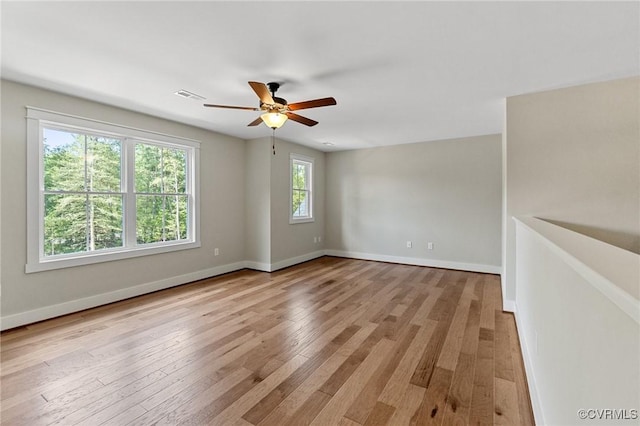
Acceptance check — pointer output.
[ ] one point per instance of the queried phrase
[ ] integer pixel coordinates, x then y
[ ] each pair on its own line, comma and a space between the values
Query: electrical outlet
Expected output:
430, 246
409, 244
216, 251
315, 239
319, 239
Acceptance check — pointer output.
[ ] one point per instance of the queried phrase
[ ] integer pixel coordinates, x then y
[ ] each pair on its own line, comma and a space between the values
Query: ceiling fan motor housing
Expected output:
273, 87
280, 103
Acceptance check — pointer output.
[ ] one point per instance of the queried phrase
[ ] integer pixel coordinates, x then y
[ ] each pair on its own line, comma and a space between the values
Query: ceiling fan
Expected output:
277, 110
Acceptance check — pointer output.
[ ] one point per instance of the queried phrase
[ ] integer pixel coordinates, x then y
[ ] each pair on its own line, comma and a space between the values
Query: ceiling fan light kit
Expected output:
274, 120
276, 111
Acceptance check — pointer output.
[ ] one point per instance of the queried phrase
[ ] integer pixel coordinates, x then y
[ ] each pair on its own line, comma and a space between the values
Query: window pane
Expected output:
161, 218
63, 160
76, 223
148, 168
105, 222
175, 217
103, 164
79, 162
160, 170
300, 203
299, 176
65, 224
175, 169
149, 219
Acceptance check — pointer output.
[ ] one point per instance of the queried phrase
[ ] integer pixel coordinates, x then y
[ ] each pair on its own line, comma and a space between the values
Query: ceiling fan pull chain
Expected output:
273, 141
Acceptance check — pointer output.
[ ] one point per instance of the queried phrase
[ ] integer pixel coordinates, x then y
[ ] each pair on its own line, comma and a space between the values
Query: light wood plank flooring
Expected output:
328, 342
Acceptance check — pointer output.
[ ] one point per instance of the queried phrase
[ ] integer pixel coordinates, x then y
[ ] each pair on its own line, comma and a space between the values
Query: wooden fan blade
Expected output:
232, 107
262, 91
312, 104
255, 122
300, 119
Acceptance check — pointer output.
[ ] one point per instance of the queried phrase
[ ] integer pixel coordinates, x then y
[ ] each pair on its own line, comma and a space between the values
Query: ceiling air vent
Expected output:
189, 95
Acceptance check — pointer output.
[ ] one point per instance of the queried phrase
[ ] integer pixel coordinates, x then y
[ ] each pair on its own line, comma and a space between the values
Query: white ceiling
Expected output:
401, 72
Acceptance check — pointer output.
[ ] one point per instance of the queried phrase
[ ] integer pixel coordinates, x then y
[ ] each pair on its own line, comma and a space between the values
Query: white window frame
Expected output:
309, 162
37, 119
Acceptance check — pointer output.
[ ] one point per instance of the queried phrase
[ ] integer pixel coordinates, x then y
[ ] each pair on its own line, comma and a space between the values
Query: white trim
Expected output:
76, 120
257, 266
53, 311
271, 267
47, 312
609, 289
298, 259
302, 220
107, 256
193, 163
504, 207
35, 209
508, 305
128, 159
309, 182
434, 263
534, 396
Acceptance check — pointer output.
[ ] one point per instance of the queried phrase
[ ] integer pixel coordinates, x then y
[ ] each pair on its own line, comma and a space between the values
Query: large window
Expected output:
99, 192
301, 200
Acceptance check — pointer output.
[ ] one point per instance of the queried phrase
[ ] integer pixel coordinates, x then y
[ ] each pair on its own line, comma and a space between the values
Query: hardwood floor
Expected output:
329, 342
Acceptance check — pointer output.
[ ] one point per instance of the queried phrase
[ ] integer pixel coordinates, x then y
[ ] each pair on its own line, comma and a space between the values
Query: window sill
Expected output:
305, 220
106, 256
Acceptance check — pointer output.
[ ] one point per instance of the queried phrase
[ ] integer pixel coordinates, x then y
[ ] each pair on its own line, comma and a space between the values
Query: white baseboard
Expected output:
528, 367
258, 266
434, 263
295, 260
47, 312
270, 267
508, 305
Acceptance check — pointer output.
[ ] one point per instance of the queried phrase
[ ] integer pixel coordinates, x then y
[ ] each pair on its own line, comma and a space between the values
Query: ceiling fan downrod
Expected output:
273, 88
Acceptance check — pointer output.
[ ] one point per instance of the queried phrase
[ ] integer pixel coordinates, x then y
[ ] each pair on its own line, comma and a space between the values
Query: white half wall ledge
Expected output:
574, 316
417, 261
613, 271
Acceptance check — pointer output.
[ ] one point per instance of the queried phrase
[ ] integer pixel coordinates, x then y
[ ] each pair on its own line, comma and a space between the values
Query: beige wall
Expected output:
446, 192
292, 240
258, 201
573, 156
271, 241
222, 175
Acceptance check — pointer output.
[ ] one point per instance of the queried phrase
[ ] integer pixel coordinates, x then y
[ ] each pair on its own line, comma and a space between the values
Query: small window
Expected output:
301, 200
100, 192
